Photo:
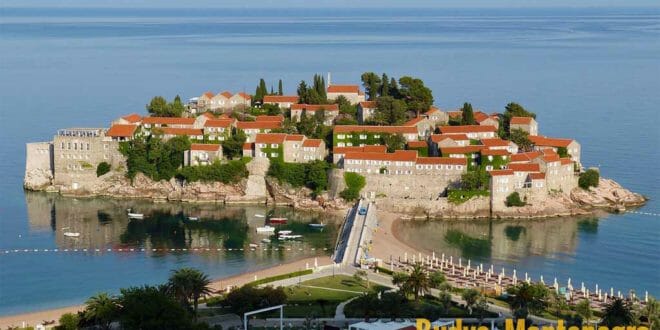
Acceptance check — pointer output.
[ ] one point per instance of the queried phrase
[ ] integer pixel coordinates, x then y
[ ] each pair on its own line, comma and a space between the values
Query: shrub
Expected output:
230, 172
281, 277
312, 175
68, 321
102, 168
461, 196
589, 179
354, 183
514, 200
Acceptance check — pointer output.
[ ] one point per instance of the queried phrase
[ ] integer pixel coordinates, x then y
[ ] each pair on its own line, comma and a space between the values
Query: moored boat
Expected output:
317, 225
259, 215
265, 240
253, 246
135, 215
278, 220
71, 234
265, 229
285, 237
285, 232
193, 218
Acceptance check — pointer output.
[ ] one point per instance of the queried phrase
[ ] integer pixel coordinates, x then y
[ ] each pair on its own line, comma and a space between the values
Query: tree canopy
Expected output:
159, 107
467, 115
514, 110
418, 97
389, 111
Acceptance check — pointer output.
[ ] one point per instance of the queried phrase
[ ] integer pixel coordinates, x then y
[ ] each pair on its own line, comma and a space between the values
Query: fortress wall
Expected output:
38, 165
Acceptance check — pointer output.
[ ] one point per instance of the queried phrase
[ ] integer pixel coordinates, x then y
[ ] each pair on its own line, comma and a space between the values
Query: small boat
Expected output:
265, 240
285, 237
277, 220
285, 232
132, 215
193, 218
265, 229
253, 246
71, 234
259, 215
317, 225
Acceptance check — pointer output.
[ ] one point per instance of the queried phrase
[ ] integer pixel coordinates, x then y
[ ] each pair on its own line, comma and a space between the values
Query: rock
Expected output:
37, 179
607, 194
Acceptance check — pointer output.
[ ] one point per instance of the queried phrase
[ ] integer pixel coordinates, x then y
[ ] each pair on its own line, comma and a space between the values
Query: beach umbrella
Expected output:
619, 294
646, 296
469, 263
555, 284
503, 274
420, 257
596, 287
460, 262
582, 286
569, 285
492, 268
433, 255
306, 266
443, 258
481, 268
611, 292
499, 279
514, 273
316, 262
542, 281
451, 260
413, 260
405, 257
452, 269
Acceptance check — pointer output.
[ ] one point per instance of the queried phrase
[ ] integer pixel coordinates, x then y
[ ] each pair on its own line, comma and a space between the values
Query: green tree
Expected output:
557, 302
384, 86
389, 111
417, 282
368, 304
393, 141
470, 296
158, 106
583, 308
475, 180
467, 115
101, 310
248, 298
436, 279
102, 168
188, 285
589, 178
354, 183
261, 91
317, 176
481, 307
521, 138
514, 200
280, 89
514, 110
394, 88
319, 91
68, 321
303, 95
526, 298
233, 146
359, 276
651, 312
371, 83
417, 96
150, 307
618, 312
445, 299
176, 107
345, 106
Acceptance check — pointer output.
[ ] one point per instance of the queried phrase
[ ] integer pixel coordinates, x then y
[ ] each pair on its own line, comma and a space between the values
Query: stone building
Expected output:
365, 111
328, 111
121, 132
282, 101
357, 135
474, 132
570, 146
351, 92
402, 162
202, 154
527, 124
77, 153
436, 116
338, 153
485, 119
252, 128
39, 165
290, 148
424, 126
218, 129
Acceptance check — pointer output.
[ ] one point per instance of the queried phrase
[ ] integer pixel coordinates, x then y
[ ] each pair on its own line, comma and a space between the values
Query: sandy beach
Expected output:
218, 284
385, 242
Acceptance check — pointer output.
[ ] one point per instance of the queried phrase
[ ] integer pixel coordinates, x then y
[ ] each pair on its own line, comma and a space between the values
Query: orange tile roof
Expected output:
537, 176
455, 114
132, 118
344, 89
495, 152
398, 155
375, 129
368, 104
208, 115
461, 150
524, 167
467, 129
417, 144
219, 122
205, 147
413, 121
120, 130
168, 120
480, 116
315, 107
182, 131
566, 161
208, 95
258, 124
278, 118
314, 143
500, 172
495, 142
270, 138
521, 120
543, 141
442, 160
432, 110
342, 150
526, 156
295, 137
244, 95
247, 145
281, 98
551, 158
456, 137
226, 94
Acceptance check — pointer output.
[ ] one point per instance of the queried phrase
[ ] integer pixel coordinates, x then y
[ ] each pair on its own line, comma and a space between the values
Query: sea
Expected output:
590, 74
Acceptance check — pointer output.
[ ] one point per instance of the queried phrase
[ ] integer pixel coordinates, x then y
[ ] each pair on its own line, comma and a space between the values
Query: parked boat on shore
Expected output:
278, 220
317, 225
132, 215
71, 234
259, 215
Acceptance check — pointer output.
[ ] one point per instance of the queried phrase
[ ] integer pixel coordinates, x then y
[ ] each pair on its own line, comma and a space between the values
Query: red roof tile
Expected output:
442, 160
495, 152
277, 118
226, 94
537, 176
432, 110
455, 114
119, 130
368, 104
313, 143
566, 161
315, 107
270, 138
247, 146
521, 120
461, 150
543, 141
208, 95
456, 137
524, 167
344, 89
480, 116
245, 96
467, 129
551, 158
495, 142
219, 122
526, 156
398, 155
500, 172
280, 99
258, 124
375, 129
343, 150
208, 115
132, 118
205, 147
168, 120
413, 121
295, 137
417, 144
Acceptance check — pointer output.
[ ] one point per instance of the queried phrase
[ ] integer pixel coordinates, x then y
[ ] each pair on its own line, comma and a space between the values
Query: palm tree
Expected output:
526, 298
101, 310
583, 308
618, 313
189, 284
418, 281
470, 296
652, 312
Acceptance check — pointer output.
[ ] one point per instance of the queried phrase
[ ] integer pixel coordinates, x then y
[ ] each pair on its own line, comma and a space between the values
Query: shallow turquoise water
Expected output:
590, 74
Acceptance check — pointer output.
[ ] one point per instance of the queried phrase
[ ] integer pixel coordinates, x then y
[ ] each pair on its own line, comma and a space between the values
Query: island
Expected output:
327, 146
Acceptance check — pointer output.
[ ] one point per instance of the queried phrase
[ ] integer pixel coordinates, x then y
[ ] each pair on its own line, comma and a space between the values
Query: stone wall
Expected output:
439, 208
38, 165
425, 187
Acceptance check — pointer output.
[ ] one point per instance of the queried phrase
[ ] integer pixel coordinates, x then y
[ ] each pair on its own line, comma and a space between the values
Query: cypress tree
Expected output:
468, 115
280, 89
302, 92
385, 87
394, 88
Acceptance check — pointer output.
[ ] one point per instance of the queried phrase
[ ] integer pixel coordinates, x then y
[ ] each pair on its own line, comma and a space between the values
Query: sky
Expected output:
332, 3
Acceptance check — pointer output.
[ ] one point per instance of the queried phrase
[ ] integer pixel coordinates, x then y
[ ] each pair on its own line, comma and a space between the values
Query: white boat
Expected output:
265, 229
135, 215
285, 237
253, 246
71, 234
285, 232
193, 218
259, 215
265, 240
317, 225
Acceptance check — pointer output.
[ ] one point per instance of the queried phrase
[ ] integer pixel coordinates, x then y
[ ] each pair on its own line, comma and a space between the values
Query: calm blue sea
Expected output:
589, 74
